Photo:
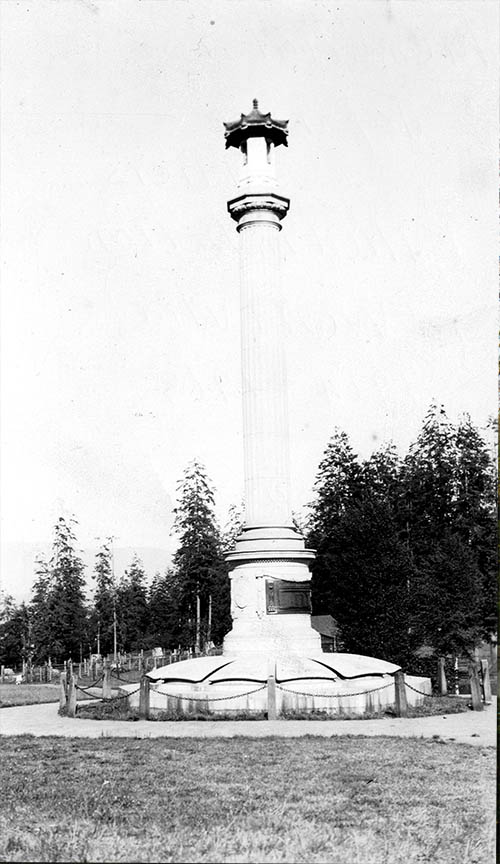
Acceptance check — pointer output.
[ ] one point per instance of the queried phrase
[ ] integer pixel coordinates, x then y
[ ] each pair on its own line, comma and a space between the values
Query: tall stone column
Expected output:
265, 410
270, 565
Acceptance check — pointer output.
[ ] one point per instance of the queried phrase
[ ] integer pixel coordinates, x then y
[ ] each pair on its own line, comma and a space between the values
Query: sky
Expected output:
120, 301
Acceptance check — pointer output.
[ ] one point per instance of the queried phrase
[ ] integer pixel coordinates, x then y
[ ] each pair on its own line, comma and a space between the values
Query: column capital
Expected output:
258, 206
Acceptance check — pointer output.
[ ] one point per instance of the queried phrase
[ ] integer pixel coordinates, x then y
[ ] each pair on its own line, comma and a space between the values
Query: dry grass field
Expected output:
332, 801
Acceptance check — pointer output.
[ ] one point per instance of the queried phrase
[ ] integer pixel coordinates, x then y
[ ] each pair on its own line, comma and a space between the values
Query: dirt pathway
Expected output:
474, 727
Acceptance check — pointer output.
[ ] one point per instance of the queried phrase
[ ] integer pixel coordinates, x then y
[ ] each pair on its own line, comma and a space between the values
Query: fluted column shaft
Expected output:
265, 410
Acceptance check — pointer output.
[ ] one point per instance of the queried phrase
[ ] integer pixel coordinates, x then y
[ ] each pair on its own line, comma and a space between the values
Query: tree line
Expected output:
405, 562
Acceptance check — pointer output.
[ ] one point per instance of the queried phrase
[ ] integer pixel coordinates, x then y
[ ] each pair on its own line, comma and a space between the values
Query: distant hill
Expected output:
17, 570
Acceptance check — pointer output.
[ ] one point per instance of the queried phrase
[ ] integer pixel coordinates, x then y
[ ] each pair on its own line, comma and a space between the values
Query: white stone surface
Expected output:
265, 409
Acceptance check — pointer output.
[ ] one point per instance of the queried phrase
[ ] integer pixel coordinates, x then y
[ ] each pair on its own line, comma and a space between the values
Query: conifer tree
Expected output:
362, 567
199, 563
14, 631
163, 613
41, 613
132, 607
337, 485
67, 609
104, 605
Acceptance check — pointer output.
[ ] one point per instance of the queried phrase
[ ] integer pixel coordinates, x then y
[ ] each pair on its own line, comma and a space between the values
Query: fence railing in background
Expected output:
90, 667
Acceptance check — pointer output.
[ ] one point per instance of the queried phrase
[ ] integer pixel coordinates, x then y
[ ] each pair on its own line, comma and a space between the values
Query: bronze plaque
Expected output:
287, 598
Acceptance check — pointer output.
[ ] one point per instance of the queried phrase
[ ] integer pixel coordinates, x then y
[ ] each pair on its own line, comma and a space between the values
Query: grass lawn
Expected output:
332, 801
30, 694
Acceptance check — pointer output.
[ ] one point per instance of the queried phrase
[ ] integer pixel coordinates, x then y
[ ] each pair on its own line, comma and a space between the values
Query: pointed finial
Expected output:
255, 103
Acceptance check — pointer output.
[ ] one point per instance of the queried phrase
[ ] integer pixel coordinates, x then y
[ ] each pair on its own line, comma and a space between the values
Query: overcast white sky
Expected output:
120, 269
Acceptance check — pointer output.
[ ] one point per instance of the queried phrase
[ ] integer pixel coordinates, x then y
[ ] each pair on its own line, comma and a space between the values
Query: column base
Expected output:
270, 595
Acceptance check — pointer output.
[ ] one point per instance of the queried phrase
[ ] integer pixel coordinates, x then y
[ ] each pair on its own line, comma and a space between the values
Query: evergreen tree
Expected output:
362, 567
233, 527
447, 598
475, 519
429, 476
14, 631
163, 613
337, 485
103, 611
66, 599
41, 614
199, 563
132, 607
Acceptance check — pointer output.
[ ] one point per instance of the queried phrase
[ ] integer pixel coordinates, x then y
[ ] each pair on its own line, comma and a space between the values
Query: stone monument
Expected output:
271, 637
270, 587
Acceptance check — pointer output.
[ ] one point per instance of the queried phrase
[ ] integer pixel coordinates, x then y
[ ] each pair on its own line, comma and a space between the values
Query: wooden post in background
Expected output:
144, 699
106, 681
485, 680
401, 705
2, 673
441, 676
71, 697
272, 713
475, 688
62, 693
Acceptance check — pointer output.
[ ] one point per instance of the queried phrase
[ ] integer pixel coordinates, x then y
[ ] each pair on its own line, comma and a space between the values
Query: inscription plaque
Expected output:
287, 598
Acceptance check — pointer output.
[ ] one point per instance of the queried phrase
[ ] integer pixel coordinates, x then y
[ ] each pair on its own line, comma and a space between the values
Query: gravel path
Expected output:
474, 727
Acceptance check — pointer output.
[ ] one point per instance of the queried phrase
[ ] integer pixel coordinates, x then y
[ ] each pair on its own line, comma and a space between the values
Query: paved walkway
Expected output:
473, 727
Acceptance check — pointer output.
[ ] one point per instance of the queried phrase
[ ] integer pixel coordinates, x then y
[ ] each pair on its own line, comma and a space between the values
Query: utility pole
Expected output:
115, 653
209, 623
197, 646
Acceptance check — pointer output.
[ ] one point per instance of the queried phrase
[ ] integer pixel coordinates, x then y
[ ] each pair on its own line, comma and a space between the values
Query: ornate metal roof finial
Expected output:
256, 125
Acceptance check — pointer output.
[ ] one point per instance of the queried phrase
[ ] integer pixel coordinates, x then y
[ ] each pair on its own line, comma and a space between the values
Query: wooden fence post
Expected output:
441, 676
62, 693
49, 670
475, 688
144, 699
272, 713
71, 697
485, 680
106, 681
401, 705
2, 673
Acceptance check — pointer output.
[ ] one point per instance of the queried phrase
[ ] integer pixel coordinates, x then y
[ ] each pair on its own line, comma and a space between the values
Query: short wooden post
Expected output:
2, 673
441, 677
144, 699
71, 697
272, 713
49, 670
475, 688
106, 681
485, 680
401, 704
62, 694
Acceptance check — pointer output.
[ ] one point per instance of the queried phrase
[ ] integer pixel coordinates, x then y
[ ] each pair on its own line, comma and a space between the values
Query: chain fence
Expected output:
107, 698
215, 698
94, 684
335, 695
431, 695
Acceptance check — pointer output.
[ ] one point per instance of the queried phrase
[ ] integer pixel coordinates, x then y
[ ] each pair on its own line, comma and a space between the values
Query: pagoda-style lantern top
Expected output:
256, 125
